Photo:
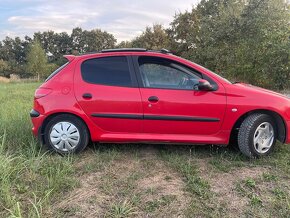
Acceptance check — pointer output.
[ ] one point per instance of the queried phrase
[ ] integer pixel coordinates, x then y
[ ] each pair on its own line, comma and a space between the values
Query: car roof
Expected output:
163, 50
119, 50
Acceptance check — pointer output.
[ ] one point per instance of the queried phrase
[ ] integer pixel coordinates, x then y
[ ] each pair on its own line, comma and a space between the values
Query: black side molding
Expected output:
154, 117
34, 113
120, 116
181, 118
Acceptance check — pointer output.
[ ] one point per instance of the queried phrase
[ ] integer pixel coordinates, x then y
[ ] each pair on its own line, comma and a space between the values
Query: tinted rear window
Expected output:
113, 71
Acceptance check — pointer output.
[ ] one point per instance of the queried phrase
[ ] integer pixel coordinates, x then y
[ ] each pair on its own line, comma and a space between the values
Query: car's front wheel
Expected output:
257, 135
66, 134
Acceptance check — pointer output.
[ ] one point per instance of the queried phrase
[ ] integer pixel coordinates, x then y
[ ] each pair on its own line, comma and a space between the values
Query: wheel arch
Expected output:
51, 116
279, 121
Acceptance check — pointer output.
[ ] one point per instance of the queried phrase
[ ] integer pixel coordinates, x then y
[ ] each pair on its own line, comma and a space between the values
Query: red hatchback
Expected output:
135, 95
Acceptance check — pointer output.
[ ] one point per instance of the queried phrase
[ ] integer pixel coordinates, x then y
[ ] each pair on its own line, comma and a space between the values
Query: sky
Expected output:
124, 18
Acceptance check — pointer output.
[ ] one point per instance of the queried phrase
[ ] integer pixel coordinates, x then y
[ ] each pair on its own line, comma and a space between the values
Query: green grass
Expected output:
34, 182
29, 177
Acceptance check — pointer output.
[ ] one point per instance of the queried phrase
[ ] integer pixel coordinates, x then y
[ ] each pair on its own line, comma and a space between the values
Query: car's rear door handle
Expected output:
87, 96
153, 99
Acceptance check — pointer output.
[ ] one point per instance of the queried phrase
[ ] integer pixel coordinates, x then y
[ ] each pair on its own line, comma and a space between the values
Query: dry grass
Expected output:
17, 79
4, 79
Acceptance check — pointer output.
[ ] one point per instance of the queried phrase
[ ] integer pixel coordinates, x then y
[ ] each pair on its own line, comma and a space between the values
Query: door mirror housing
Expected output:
204, 85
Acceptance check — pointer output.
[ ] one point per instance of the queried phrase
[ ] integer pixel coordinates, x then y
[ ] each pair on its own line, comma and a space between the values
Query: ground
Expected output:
132, 180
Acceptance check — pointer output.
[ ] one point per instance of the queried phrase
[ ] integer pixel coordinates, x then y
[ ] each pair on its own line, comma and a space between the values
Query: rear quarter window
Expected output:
112, 71
56, 71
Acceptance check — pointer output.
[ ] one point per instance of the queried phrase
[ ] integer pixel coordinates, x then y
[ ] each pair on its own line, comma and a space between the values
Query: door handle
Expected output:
87, 96
153, 99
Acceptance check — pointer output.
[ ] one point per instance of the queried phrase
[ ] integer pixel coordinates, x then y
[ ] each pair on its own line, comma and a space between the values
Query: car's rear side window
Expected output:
113, 71
56, 71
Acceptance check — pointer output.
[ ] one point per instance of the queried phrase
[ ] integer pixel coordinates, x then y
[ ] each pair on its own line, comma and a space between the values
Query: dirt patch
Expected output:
136, 174
84, 158
223, 185
161, 184
84, 201
165, 182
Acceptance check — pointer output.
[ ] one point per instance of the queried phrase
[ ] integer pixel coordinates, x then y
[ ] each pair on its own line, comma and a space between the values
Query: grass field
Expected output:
115, 180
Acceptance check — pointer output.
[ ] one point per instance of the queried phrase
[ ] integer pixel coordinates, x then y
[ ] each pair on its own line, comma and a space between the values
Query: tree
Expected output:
184, 32
4, 68
90, 41
55, 44
124, 44
244, 40
37, 63
154, 38
266, 25
13, 52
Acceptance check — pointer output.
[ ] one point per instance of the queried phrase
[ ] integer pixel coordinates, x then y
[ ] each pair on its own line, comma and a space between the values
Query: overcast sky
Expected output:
123, 18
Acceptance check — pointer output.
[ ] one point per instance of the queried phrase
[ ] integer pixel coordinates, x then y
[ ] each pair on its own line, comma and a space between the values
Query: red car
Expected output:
136, 95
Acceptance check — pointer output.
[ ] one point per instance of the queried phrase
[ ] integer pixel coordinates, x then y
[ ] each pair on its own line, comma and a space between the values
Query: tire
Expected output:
257, 135
233, 143
66, 134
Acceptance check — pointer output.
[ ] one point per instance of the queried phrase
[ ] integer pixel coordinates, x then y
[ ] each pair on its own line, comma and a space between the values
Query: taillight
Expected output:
41, 92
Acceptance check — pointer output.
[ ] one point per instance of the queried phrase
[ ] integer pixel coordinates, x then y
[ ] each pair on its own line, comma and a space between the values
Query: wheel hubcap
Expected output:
264, 137
64, 136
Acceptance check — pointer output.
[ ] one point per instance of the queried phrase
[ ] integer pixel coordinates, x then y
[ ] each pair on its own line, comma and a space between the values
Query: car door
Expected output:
171, 104
106, 89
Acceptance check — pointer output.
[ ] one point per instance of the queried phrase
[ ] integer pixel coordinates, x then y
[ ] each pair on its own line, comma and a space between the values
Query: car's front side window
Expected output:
162, 73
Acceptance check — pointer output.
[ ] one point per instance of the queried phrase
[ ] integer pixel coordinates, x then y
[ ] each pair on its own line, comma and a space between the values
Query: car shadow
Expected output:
199, 151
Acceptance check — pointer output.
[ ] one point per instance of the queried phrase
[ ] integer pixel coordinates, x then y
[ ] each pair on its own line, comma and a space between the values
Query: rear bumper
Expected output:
37, 120
34, 113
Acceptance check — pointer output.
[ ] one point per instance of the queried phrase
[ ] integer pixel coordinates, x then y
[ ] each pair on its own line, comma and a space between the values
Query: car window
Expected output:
162, 73
56, 71
113, 71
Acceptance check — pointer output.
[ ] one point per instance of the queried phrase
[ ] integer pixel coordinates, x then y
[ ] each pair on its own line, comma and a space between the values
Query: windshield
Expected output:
224, 79
220, 77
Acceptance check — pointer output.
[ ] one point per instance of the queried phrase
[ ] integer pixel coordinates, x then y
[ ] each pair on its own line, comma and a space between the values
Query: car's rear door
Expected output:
106, 89
170, 103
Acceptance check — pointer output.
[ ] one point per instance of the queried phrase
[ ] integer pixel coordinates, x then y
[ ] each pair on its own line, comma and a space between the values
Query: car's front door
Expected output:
106, 90
171, 105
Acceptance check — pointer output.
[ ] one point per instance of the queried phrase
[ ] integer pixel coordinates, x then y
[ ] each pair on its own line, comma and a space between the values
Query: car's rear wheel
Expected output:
257, 135
66, 134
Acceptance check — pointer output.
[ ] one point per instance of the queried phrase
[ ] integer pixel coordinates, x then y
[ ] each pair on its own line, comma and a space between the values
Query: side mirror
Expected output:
204, 85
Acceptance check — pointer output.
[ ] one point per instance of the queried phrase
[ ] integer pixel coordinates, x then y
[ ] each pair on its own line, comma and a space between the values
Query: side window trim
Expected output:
130, 67
137, 70
134, 79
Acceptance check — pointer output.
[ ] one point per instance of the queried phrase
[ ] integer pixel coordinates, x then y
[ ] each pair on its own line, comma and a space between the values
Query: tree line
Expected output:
242, 40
